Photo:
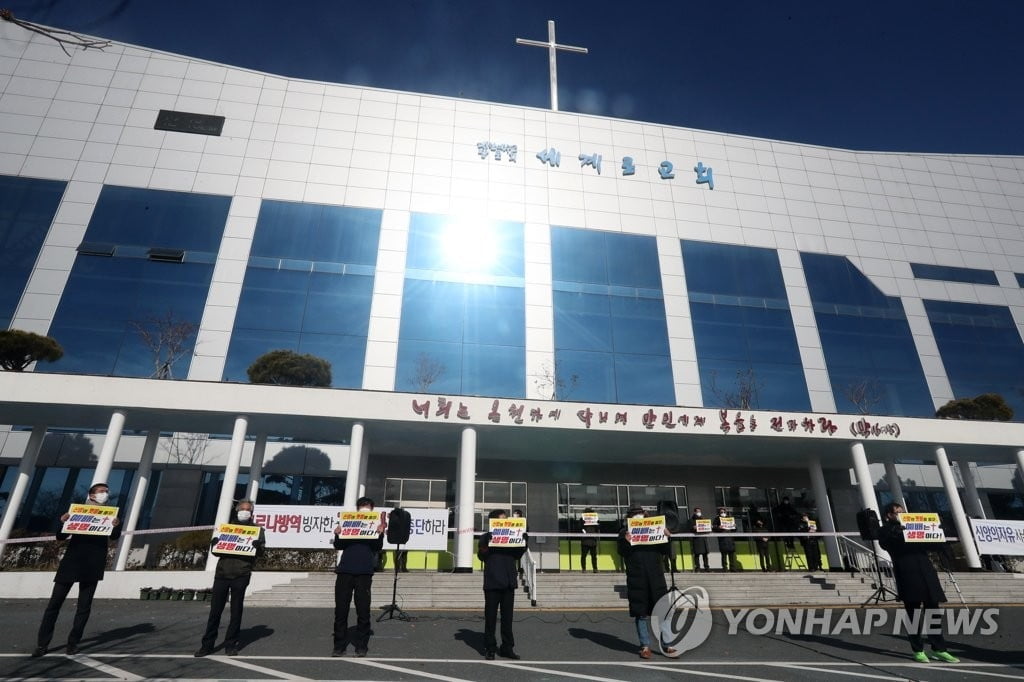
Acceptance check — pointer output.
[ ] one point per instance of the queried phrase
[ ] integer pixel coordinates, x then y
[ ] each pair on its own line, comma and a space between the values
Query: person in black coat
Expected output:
588, 546
917, 583
500, 583
811, 548
699, 544
84, 563
232, 577
726, 544
355, 577
763, 549
645, 581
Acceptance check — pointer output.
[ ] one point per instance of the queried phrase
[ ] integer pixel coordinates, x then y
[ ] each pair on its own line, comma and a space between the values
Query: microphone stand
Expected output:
391, 609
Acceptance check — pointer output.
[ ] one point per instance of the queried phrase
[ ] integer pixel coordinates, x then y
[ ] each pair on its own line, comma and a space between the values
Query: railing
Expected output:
865, 560
529, 565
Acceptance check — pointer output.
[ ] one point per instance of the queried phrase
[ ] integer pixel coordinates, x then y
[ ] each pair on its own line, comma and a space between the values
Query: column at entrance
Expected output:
465, 484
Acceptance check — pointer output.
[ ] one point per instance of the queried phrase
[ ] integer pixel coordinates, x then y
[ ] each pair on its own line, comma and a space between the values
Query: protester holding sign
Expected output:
726, 545
588, 546
499, 549
645, 581
236, 545
917, 584
84, 562
360, 536
811, 549
699, 545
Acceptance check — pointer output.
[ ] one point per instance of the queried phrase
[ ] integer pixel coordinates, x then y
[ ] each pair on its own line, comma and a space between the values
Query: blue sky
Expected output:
929, 76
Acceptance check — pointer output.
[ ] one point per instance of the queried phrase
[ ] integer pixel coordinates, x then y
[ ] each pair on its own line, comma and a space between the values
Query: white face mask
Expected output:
721, 514
697, 514
244, 514
365, 509
638, 516
100, 498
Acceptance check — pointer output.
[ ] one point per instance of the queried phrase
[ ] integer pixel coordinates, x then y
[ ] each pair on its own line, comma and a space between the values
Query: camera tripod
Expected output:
391, 609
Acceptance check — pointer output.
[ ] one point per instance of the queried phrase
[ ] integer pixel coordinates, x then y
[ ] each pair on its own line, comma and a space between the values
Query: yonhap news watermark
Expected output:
681, 621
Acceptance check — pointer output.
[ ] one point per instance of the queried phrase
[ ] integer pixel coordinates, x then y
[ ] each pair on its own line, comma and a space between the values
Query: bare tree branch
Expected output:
186, 448
552, 383
864, 393
745, 393
62, 38
425, 372
168, 338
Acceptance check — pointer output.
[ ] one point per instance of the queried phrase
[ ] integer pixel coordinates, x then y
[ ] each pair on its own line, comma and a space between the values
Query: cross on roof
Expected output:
552, 48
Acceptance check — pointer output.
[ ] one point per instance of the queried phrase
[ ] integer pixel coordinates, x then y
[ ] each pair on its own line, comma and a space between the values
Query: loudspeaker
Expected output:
867, 524
399, 526
671, 512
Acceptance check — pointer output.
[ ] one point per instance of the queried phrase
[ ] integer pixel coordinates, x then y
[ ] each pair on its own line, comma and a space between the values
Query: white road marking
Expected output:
408, 671
837, 672
105, 668
961, 669
690, 670
233, 660
549, 671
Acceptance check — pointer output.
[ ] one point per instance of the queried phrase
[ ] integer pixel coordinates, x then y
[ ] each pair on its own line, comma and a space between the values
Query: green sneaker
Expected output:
920, 657
944, 656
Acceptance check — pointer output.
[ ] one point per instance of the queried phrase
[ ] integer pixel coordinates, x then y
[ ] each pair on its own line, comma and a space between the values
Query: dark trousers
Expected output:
697, 557
492, 600
914, 634
584, 551
729, 562
766, 558
345, 586
222, 587
813, 553
86, 590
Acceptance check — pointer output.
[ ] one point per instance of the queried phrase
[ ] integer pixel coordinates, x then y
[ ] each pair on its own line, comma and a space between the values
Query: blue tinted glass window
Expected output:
611, 338
111, 304
27, 207
953, 274
747, 353
872, 361
980, 349
463, 309
308, 288
1020, 279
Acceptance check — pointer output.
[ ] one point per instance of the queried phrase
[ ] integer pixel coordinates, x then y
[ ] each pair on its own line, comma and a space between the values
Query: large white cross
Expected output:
552, 47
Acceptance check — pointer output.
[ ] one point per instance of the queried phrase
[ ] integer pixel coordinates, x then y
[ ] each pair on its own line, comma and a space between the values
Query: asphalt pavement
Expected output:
133, 640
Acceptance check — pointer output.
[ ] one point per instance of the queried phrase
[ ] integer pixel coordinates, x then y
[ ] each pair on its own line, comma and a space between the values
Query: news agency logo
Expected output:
681, 620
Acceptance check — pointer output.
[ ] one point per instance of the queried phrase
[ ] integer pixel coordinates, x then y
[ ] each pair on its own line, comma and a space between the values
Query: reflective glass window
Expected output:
27, 207
111, 302
872, 361
463, 328
981, 350
308, 288
1020, 279
747, 352
611, 338
954, 274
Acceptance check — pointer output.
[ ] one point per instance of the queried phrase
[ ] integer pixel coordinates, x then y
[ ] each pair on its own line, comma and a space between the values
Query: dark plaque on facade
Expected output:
184, 122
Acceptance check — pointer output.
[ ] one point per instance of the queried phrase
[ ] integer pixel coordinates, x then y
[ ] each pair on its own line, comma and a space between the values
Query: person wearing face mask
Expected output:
500, 584
645, 582
231, 577
726, 544
83, 563
699, 544
354, 581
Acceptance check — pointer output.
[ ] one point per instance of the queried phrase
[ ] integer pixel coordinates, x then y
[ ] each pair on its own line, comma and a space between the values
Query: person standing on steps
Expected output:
588, 546
699, 544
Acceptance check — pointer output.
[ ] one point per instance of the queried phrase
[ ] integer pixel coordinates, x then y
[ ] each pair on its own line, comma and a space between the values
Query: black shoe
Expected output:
72, 649
509, 653
489, 654
231, 650
361, 652
338, 652
39, 651
202, 651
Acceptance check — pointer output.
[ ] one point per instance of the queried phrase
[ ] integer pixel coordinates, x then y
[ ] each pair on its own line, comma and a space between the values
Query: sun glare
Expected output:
469, 245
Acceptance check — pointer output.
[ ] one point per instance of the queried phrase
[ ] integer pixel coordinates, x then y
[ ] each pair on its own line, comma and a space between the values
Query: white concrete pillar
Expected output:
106, 460
466, 483
963, 529
972, 499
227, 489
868, 500
1020, 465
25, 468
136, 498
825, 519
256, 467
364, 458
355, 456
895, 487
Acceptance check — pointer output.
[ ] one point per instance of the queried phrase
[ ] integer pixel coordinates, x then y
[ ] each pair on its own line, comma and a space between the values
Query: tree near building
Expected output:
288, 368
743, 394
425, 372
19, 349
168, 338
864, 393
985, 407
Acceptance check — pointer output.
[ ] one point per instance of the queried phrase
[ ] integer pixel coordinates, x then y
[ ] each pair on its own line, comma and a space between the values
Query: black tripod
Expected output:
391, 609
881, 593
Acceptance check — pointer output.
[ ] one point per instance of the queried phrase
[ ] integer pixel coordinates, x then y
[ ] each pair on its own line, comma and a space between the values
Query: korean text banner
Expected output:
647, 531
312, 527
508, 532
922, 527
998, 537
236, 539
90, 519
